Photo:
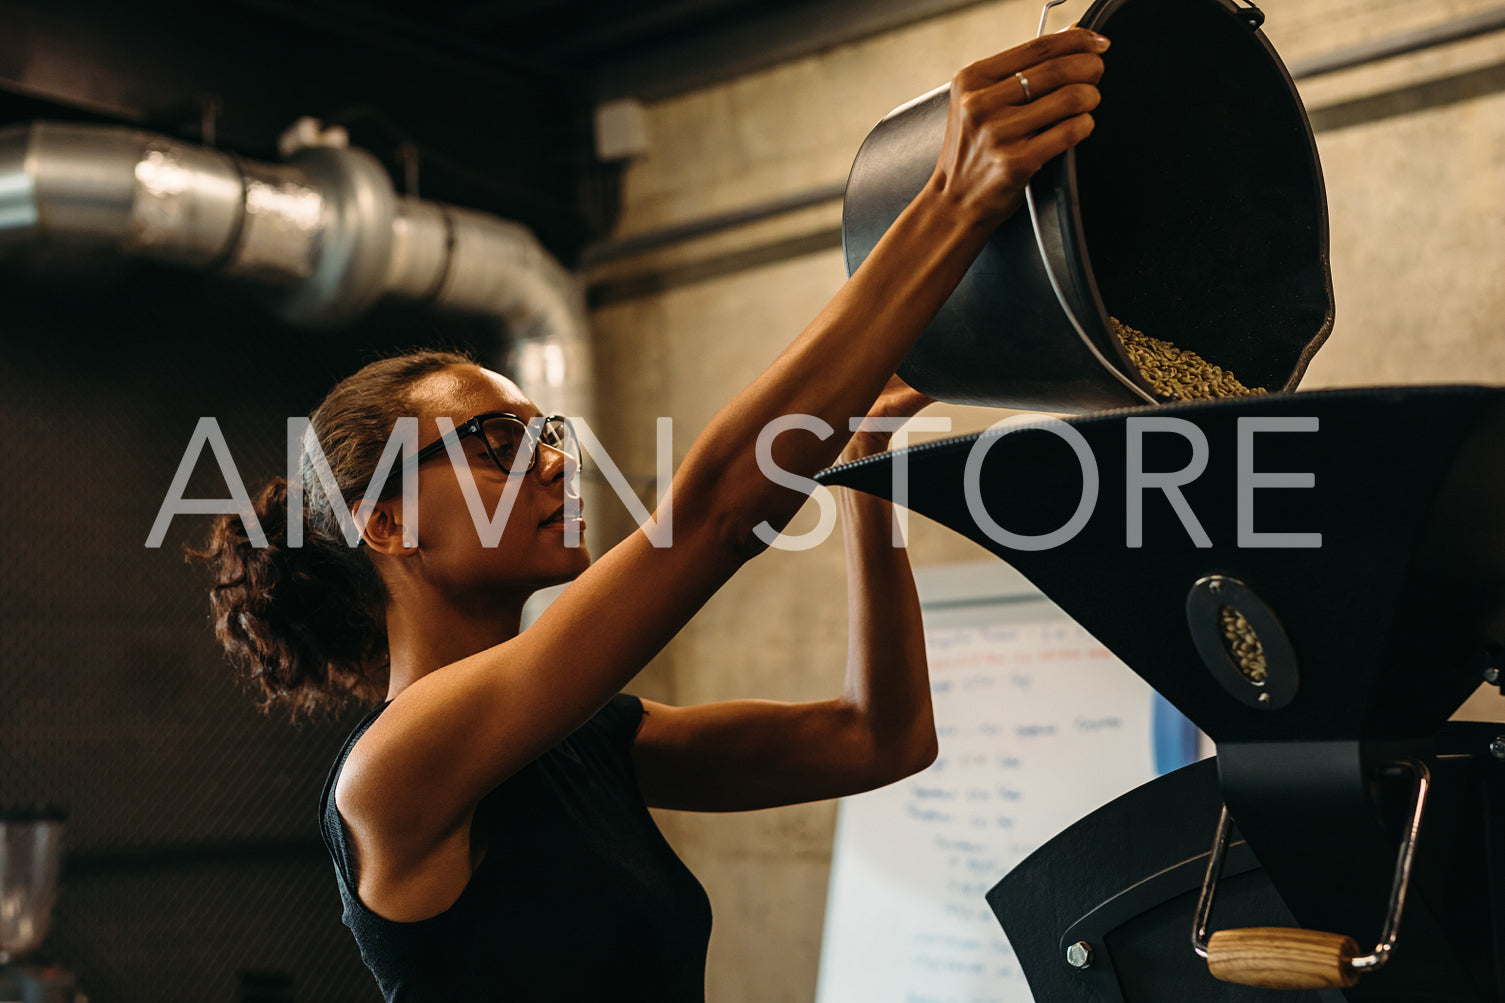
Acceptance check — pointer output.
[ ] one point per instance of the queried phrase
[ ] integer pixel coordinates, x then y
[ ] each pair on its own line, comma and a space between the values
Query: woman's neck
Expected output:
424, 636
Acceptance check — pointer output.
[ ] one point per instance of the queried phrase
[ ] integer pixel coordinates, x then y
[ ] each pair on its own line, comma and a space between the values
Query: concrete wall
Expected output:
1417, 204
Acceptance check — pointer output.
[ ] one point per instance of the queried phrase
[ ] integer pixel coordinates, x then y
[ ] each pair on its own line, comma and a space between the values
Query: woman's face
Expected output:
533, 551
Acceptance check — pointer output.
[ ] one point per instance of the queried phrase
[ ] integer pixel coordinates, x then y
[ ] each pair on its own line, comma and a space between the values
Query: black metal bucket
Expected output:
1194, 213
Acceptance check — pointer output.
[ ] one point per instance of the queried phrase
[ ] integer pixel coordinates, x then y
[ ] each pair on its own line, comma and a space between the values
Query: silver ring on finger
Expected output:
1024, 84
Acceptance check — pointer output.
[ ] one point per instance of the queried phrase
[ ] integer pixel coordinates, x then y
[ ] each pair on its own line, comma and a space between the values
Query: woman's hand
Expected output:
897, 400
998, 134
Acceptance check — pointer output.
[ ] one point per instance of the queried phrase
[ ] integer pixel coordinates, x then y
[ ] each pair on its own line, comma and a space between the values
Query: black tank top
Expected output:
578, 898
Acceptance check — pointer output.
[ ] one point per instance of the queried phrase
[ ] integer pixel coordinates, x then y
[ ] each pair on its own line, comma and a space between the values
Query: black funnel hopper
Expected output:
1371, 640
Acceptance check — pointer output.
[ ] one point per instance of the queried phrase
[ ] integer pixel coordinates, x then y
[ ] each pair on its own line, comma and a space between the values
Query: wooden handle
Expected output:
1274, 957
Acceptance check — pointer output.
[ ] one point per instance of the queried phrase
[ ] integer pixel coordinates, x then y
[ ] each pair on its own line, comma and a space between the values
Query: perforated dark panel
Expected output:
117, 703
187, 934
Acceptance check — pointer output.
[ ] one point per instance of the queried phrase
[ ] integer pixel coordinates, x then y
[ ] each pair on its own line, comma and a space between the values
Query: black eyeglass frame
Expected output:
531, 439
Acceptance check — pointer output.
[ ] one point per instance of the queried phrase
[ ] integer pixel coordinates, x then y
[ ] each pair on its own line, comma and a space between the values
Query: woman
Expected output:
487, 820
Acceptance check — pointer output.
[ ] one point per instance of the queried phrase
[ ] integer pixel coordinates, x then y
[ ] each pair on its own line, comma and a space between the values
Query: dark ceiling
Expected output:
611, 48
491, 100
576, 32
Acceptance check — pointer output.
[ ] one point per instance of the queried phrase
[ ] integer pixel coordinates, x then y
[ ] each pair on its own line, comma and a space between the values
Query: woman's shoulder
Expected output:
348, 755
353, 786
351, 740
397, 878
331, 819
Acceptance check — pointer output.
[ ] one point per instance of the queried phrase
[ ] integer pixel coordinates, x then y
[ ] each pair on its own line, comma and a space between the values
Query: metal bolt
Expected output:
1264, 698
1492, 674
1214, 586
1079, 955
1497, 747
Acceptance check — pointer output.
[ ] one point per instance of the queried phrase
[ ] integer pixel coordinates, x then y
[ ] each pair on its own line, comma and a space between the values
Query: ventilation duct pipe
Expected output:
324, 234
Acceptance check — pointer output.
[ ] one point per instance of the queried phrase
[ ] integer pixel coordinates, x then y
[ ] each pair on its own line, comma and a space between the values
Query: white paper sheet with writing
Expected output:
1039, 725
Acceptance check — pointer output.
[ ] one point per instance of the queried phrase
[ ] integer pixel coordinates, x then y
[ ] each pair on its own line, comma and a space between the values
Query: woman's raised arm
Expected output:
835, 369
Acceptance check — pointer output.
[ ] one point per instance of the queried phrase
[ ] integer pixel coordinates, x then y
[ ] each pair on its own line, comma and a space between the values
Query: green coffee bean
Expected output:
1243, 645
1177, 373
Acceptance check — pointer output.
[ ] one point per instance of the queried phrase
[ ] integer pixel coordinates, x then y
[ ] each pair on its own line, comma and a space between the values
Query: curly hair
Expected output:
308, 624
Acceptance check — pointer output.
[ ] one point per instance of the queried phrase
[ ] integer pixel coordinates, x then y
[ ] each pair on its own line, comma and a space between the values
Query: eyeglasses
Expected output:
507, 436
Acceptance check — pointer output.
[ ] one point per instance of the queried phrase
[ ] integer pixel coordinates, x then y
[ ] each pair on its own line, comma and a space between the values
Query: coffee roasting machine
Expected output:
1317, 580
1370, 641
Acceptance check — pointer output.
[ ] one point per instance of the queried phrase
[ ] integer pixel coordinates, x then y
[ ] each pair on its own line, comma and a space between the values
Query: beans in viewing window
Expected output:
1243, 645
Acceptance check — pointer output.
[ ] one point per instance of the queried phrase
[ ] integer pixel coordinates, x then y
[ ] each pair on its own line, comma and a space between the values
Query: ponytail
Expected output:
306, 624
